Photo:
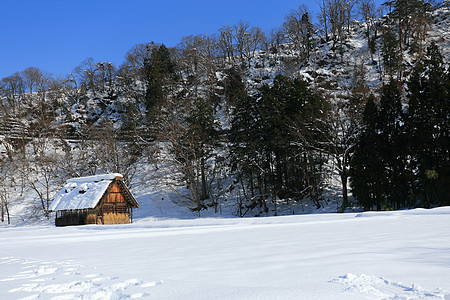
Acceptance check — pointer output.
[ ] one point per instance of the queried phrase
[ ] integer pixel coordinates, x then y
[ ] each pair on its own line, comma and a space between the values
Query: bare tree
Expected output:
32, 76
298, 29
247, 39
57, 92
43, 85
6, 182
192, 57
368, 13
226, 42
274, 39
105, 74
136, 56
344, 125
133, 67
44, 161
44, 175
99, 149
12, 88
86, 74
198, 54
191, 158
116, 152
336, 16
323, 17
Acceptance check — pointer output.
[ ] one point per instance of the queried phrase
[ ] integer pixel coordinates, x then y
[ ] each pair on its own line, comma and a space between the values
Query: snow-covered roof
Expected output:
83, 192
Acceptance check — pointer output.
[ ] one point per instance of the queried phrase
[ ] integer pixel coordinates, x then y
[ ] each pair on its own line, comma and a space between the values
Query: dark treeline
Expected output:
402, 156
235, 116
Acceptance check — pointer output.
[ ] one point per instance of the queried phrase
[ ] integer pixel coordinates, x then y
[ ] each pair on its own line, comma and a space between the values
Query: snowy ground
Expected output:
389, 255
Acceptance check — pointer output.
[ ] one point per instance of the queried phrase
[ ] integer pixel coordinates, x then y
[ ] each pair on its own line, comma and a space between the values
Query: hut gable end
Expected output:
117, 192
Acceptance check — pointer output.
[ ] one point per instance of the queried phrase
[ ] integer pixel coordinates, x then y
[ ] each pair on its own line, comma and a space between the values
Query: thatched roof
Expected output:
86, 192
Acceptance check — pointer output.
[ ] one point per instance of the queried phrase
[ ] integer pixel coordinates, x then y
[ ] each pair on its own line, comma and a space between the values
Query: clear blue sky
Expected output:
56, 35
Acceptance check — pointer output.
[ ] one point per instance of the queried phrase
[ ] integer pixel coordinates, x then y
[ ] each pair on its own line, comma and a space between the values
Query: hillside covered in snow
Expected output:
245, 123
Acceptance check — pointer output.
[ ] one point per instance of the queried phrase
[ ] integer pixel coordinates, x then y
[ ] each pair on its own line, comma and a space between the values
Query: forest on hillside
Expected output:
267, 116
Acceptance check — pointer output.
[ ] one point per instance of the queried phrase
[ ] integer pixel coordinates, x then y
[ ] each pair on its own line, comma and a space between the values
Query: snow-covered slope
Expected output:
158, 189
387, 255
332, 72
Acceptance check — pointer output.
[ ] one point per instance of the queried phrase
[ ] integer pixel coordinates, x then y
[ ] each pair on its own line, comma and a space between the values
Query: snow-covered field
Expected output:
388, 255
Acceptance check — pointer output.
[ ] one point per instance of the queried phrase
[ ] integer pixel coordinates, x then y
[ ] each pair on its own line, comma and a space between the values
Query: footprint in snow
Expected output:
380, 288
151, 284
65, 280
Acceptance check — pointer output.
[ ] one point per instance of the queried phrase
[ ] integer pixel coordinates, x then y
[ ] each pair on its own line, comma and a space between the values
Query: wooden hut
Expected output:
100, 199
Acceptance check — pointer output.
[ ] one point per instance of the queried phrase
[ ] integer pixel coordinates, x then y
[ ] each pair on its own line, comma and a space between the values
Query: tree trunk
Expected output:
7, 213
279, 175
344, 179
204, 193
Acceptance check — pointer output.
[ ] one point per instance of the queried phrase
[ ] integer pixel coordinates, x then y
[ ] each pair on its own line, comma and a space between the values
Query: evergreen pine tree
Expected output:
274, 141
234, 87
131, 129
365, 170
159, 71
392, 148
378, 166
429, 130
247, 145
390, 52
